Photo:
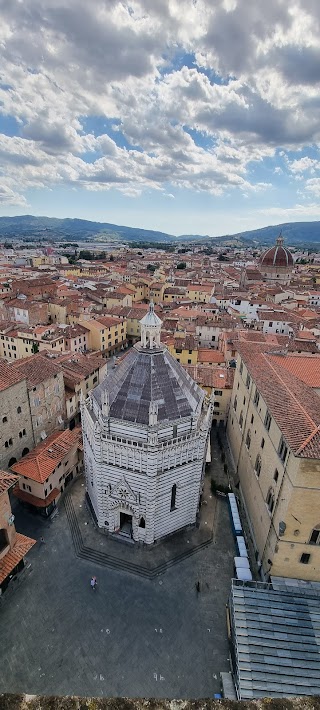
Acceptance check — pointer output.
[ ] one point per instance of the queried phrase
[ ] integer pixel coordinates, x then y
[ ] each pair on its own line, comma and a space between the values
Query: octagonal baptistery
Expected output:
146, 435
276, 264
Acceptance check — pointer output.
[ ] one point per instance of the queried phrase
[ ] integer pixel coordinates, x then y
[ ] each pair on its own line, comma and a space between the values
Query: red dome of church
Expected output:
277, 255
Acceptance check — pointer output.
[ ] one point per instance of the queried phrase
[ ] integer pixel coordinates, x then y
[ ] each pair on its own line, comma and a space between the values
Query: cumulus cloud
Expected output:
251, 88
313, 186
9, 197
301, 165
298, 212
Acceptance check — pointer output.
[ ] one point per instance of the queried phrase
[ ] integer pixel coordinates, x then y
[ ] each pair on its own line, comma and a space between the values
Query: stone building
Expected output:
274, 434
46, 392
13, 545
47, 470
16, 435
146, 434
81, 373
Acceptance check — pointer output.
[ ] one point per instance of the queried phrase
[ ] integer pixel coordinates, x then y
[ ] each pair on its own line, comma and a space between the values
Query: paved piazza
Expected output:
131, 637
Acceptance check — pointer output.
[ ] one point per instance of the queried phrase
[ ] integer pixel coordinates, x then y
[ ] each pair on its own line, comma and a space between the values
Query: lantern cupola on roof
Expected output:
150, 329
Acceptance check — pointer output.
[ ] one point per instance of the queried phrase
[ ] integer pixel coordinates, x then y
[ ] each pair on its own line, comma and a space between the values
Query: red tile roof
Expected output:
211, 356
214, 377
7, 480
9, 376
294, 406
40, 463
36, 369
15, 555
306, 369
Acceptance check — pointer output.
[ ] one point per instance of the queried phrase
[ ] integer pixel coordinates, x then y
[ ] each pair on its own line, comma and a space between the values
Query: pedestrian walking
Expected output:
42, 541
93, 582
198, 588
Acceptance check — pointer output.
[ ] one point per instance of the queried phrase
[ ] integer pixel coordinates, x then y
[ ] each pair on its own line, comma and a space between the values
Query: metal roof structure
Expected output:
276, 639
147, 377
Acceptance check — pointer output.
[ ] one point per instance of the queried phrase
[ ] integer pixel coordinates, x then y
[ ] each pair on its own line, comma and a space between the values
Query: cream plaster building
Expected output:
274, 435
146, 434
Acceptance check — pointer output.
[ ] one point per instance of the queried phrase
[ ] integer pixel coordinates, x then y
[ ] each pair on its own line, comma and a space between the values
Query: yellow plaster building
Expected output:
274, 434
109, 335
184, 348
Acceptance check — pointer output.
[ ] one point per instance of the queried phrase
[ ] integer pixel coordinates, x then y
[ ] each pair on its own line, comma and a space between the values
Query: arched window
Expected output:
315, 536
142, 523
12, 461
235, 403
257, 465
19, 410
248, 439
241, 419
270, 500
25, 451
173, 497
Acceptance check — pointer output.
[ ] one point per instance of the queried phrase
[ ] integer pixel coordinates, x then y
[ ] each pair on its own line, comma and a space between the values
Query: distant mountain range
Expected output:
28, 227
74, 229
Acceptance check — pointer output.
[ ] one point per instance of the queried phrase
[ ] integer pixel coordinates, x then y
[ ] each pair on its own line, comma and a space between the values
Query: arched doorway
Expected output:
25, 451
12, 461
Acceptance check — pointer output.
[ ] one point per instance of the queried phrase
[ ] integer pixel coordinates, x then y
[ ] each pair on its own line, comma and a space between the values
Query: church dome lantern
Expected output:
150, 326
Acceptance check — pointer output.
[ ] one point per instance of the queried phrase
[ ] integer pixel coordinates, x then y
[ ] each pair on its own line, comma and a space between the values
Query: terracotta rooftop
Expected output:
216, 378
104, 322
15, 555
306, 369
7, 480
40, 463
36, 369
281, 316
302, 346
9, 376
77, 366
293, 404
208, 355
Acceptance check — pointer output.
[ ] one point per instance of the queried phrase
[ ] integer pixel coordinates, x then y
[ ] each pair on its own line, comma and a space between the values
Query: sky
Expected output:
185, 116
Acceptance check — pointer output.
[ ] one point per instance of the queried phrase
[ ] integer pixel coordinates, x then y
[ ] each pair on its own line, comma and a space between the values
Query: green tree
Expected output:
86, 255
34, 348
181, 265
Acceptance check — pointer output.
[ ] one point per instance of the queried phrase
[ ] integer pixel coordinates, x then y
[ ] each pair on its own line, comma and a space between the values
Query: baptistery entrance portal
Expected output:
126, 524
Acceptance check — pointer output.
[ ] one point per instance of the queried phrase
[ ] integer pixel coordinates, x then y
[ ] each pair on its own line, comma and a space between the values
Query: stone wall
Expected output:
14, 422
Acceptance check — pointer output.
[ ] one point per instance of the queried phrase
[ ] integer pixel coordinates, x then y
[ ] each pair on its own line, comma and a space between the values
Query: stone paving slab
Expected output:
132, 637
106, 550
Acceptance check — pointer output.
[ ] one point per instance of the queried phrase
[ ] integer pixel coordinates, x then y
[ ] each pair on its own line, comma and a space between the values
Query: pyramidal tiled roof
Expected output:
150, 376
